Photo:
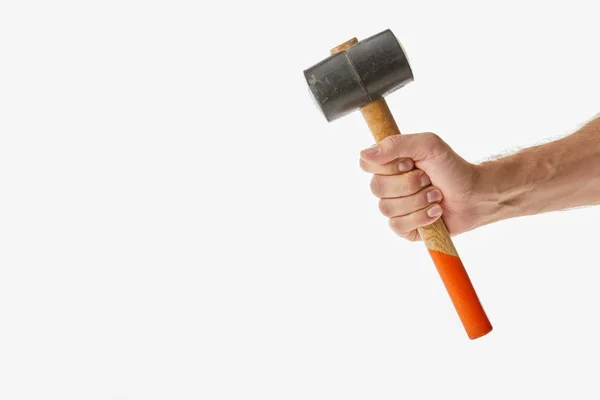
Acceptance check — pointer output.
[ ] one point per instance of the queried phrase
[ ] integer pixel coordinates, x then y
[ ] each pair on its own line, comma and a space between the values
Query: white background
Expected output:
177, 220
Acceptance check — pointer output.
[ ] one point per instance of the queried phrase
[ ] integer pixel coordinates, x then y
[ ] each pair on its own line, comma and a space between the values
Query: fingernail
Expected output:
405, 165
371, 151
434, 211
433, 196
425, 180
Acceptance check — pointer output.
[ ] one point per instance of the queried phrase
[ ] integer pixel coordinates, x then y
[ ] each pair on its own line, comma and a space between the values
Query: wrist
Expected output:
498, 192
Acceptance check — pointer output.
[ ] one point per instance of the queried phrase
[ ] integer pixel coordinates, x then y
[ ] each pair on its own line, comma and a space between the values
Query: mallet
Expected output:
357, 75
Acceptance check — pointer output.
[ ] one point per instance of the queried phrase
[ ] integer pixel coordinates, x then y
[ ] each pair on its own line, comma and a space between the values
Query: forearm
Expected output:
554, 176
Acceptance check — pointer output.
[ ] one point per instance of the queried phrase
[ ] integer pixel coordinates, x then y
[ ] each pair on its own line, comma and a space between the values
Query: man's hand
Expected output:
443, 183
554, 176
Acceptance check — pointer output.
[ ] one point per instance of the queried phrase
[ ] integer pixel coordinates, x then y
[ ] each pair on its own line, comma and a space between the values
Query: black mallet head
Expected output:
366, 71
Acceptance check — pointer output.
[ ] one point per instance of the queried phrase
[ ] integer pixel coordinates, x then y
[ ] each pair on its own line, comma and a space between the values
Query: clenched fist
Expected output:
442, 183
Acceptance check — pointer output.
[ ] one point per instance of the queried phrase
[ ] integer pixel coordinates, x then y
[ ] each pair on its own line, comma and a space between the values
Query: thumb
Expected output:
416, 146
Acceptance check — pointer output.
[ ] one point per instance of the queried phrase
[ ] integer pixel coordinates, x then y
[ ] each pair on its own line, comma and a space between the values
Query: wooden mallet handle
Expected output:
435, 236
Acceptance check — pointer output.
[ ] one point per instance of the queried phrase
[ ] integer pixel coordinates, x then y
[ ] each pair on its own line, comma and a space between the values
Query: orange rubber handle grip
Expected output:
435, 236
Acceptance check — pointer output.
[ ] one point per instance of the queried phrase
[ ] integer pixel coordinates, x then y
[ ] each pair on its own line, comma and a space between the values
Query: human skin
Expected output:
554, 176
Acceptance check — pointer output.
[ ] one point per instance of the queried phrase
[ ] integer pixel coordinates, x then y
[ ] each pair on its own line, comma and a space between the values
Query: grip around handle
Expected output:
437, 240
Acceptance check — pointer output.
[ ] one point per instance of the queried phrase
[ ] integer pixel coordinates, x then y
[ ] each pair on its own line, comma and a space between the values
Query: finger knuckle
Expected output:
393, 140
364, 165
410, 236
385, 208
431, 137
434, 141
398, 225
390, 142
377, 186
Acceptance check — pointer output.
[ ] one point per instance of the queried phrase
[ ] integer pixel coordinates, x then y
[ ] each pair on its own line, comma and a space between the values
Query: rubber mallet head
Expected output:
354, 77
